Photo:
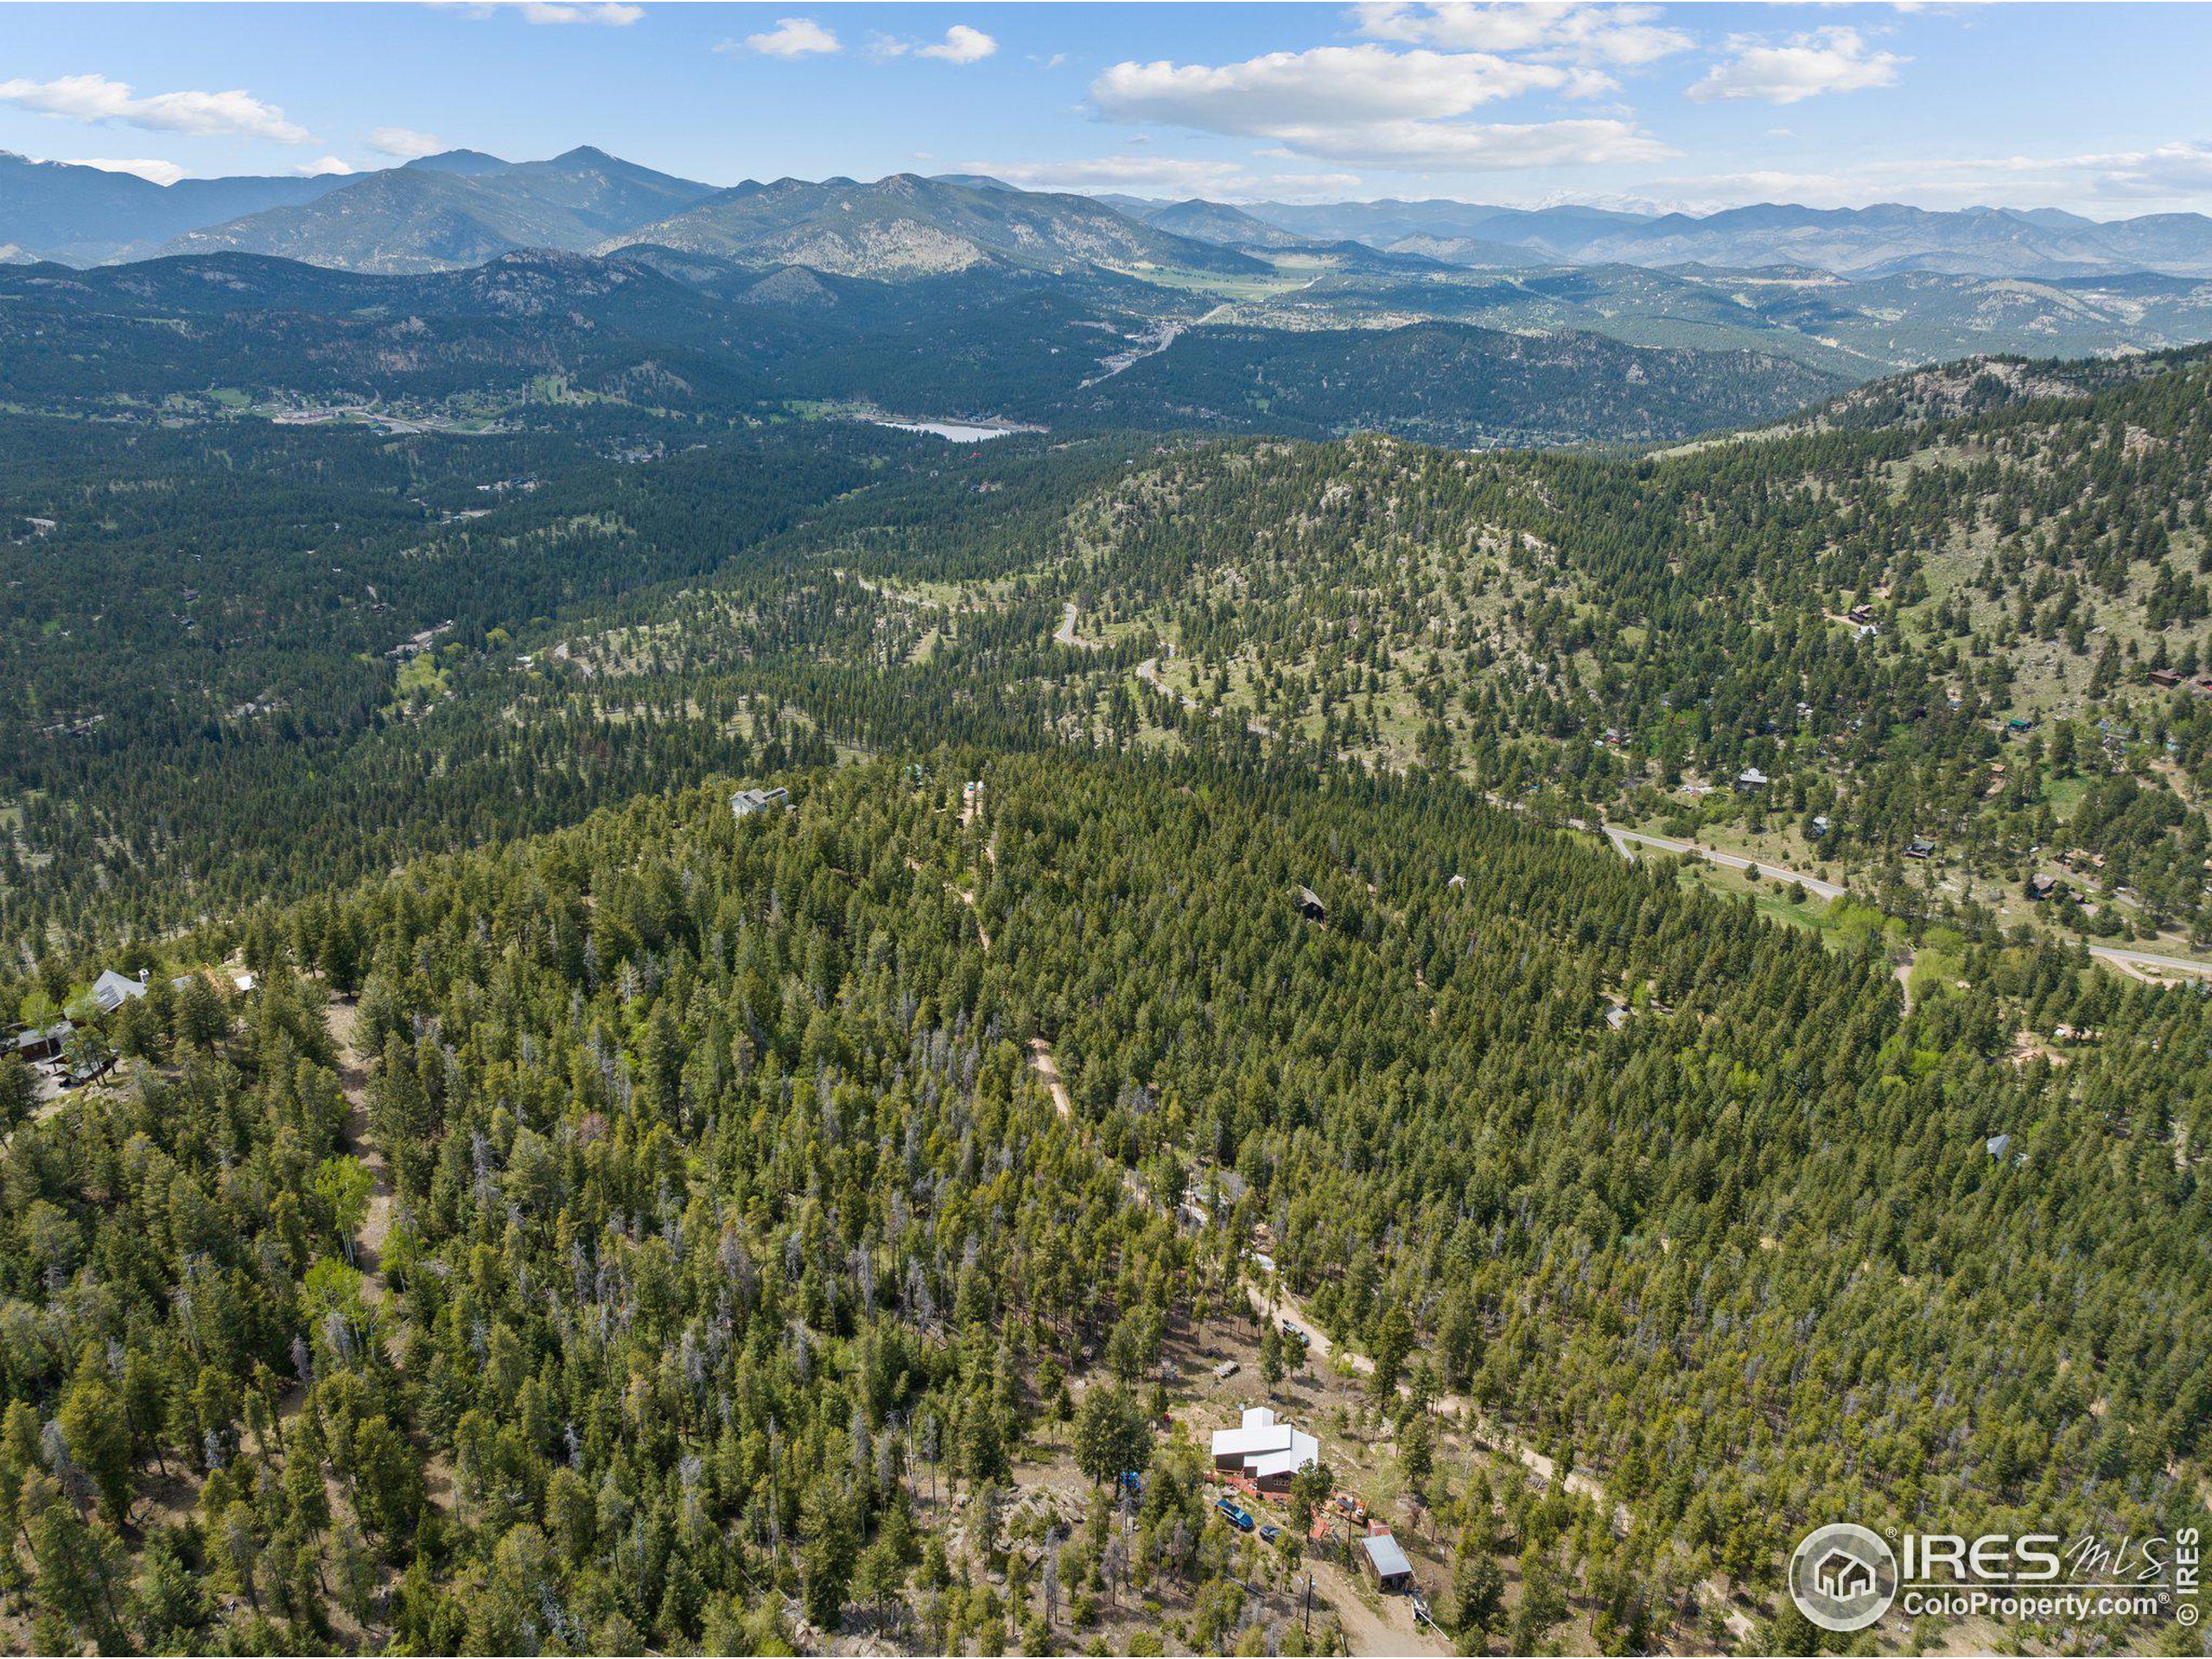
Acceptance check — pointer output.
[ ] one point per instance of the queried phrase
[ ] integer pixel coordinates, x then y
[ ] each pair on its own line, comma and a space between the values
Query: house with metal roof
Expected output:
1266, 1451
112, 990
746, 801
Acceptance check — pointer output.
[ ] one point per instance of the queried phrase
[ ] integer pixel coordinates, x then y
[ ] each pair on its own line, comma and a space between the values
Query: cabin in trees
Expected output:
43, 1043
746, 801
112, 990
1267, 1452
1310, 906
1750, 780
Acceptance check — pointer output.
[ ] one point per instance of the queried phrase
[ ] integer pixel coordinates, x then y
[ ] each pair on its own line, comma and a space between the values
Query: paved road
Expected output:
2147, 959
1065, 633
1812, 884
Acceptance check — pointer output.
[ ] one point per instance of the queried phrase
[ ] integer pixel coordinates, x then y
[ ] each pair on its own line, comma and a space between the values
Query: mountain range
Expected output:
992, 299
463, 206
1878, 240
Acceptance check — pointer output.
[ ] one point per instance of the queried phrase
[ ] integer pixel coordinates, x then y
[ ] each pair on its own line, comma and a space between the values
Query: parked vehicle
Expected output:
1269, 1532
1235, 1514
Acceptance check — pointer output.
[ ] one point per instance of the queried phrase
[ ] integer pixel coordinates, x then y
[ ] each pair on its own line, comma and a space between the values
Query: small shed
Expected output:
1310, 906
1919, 847
1750, 780
1393, 1572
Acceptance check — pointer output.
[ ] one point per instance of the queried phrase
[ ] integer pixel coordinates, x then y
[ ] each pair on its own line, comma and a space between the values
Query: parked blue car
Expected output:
1234, 1513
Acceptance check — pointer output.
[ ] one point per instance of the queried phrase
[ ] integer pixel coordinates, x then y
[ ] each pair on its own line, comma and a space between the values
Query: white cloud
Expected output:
2179, 174
1136, 174
1461, 146
96, 98
1835, 60
960, 45
1627, 35
324, 166
1169, 177
791, 37
2175, 169
405, 142
1262, 96
1368, 104
152, 171
611, 14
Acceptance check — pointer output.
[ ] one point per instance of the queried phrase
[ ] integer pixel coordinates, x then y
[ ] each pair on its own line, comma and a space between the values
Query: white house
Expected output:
1267, 1452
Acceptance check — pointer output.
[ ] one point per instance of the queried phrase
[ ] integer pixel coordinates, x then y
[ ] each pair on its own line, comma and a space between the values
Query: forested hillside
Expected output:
1961, 617
533, 1208
696, 1227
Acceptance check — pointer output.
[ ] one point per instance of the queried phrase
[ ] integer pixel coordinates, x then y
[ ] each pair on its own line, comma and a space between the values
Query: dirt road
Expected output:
353, 1078
1393, 1630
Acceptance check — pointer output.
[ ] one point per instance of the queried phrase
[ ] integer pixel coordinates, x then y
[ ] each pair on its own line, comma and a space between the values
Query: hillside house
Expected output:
43, 1043
1310, 906
746, 801
112, 990
1268, 1452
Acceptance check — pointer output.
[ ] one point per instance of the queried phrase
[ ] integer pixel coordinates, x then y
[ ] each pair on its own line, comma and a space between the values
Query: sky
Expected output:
2098, 109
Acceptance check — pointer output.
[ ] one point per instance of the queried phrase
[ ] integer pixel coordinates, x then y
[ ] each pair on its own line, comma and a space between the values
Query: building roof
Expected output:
57, 1033
1258, 1432
1388, 1560
1266, 1446
112, 990
1303, 1449
751, 800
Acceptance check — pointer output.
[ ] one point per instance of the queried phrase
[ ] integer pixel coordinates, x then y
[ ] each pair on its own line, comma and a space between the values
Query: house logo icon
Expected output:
1843, 1577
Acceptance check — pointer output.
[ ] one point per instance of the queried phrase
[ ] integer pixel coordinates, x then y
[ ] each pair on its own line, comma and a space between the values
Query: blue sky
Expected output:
2100, 109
